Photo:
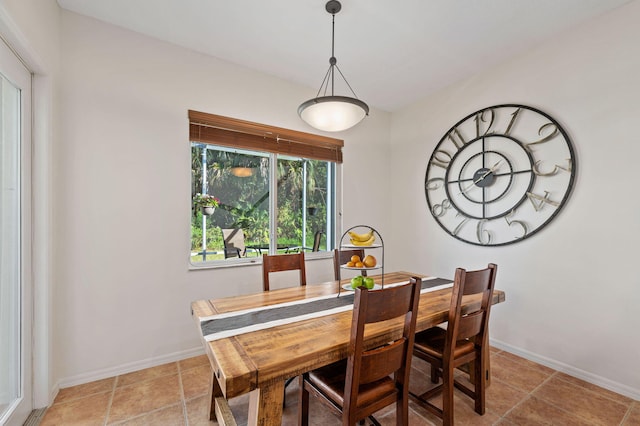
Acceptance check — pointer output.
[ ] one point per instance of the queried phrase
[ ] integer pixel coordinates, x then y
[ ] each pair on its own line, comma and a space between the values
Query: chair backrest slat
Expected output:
381, 362
282, 262
470, 325
393, 305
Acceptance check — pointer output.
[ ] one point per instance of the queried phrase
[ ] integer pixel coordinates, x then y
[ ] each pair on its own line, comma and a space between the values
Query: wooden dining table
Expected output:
258, 362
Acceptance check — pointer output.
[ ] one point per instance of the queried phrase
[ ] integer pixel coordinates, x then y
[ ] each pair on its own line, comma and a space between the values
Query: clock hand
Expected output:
494, 168
484, 175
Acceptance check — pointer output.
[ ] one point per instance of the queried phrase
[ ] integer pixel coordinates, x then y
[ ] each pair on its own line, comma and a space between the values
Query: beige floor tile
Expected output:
387, 417
147, 374
195, 381
88, 411
534, 412
463, 414
593, 407
518, 374
420, 377
525, 362
168, 416
500, 397
494, 350
319, 415
81, 391
144, 397
633, 415
198, 412
594, 388
192, 362
505, 422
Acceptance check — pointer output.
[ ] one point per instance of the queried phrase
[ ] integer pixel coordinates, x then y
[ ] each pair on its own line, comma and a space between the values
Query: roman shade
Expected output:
218, 130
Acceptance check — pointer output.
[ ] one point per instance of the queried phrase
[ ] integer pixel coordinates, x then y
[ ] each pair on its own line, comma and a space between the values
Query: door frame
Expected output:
44, 388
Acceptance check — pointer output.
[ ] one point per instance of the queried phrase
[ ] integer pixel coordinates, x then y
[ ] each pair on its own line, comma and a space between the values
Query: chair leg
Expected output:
402, 411
434, 373
447, 397
303, 403
480, 384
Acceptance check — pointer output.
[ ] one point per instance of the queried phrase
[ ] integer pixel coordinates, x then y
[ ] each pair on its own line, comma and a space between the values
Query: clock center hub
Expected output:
483, 177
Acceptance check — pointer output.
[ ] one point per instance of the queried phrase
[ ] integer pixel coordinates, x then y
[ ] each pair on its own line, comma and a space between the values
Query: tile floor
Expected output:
521, 393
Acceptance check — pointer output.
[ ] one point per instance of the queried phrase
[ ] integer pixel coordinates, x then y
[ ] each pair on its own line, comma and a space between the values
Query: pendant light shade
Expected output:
333, 113
240, 171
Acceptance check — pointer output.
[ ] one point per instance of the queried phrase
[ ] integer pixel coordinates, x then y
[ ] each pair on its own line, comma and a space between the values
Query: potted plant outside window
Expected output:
207, 203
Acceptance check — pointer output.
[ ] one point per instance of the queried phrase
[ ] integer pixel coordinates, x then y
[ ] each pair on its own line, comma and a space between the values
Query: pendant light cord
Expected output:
332, 60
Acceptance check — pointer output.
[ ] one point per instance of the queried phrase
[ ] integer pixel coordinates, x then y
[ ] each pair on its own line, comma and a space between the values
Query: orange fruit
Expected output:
369, 261
355, 258
351, 264
359, 265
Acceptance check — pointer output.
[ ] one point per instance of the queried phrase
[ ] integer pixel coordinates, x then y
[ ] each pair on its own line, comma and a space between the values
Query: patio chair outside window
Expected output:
234, 245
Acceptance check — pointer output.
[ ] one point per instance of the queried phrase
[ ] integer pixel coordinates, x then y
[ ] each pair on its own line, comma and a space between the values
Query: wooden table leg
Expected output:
214, 392
265, 405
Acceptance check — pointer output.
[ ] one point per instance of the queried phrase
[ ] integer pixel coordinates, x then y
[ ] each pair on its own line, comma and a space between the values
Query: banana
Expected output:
361, 237
367, 242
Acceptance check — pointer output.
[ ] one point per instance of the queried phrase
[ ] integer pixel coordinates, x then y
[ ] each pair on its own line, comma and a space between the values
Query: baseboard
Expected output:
570, 370
35, 417
126, 368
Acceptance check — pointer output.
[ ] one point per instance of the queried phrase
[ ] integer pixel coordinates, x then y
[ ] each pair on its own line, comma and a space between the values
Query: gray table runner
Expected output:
282, 312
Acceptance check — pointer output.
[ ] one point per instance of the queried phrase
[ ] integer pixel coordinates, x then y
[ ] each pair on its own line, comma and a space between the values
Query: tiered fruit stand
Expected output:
348, 243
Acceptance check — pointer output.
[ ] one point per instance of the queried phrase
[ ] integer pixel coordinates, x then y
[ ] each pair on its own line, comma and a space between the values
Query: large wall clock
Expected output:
500, 175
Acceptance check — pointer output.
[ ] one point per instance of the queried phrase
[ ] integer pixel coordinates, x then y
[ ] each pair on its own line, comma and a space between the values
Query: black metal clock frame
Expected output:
492, 123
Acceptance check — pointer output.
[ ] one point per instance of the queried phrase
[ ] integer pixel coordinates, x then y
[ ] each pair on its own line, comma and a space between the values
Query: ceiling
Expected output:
392, 53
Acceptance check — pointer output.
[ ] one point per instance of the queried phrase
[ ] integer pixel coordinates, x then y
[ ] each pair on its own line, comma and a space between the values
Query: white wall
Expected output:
123, 287
572, 290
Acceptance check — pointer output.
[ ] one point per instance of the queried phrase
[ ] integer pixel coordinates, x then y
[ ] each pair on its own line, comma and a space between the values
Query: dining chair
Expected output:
340, 257
461, 343
370, 378
234, 244
282, 262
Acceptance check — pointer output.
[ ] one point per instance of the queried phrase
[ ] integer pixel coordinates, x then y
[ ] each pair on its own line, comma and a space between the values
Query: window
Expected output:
269, 190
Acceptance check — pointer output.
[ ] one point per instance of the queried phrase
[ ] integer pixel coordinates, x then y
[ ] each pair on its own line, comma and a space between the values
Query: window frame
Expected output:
229, 132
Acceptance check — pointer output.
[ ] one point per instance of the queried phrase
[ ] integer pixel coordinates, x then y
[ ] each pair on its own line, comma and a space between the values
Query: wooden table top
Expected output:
248, 361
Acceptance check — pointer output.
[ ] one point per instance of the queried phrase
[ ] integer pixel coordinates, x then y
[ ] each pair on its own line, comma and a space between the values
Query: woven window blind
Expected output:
218, 130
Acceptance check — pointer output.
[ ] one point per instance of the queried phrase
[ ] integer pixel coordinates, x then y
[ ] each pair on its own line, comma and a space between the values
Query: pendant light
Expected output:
241, 171
333, 113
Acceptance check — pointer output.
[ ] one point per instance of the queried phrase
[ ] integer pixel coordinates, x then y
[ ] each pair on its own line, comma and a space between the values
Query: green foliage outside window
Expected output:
244, 201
